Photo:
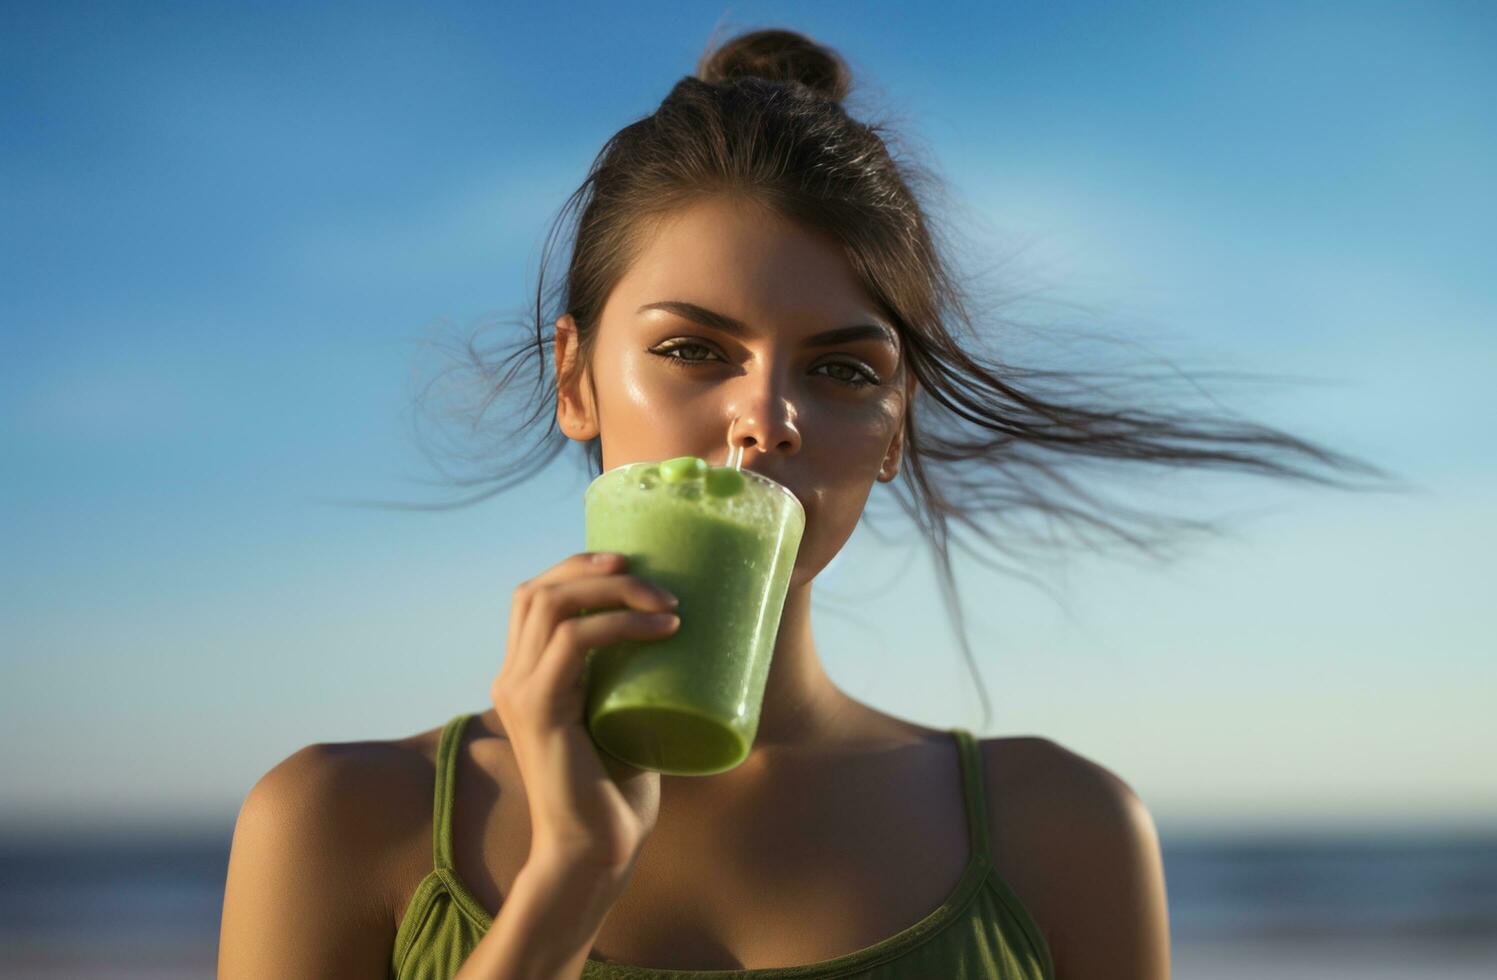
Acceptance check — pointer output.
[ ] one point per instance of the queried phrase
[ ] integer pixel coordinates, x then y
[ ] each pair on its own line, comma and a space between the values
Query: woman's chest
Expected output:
814, 893
818, 869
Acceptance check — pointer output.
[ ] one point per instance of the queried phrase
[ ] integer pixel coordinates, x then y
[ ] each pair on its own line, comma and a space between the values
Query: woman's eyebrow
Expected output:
727, 324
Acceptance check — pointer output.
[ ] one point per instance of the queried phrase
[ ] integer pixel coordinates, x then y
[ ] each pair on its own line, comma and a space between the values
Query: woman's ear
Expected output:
576, 415
890, 468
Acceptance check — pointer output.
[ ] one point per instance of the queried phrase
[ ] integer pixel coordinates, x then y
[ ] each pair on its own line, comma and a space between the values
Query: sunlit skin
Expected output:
824, 421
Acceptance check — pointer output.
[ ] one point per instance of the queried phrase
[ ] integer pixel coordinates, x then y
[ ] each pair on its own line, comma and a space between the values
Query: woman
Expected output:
719, 235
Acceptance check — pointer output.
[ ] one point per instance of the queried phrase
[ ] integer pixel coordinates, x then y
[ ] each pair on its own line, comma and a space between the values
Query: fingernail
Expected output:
603, 557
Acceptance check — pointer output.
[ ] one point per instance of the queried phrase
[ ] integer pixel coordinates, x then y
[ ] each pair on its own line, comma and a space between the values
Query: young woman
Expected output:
748, 253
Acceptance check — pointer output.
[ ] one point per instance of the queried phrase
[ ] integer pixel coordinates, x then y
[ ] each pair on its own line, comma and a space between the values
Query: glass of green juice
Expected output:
723, 541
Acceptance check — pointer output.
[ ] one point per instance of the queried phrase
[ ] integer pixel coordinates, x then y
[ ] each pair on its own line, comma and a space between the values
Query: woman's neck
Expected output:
802, 707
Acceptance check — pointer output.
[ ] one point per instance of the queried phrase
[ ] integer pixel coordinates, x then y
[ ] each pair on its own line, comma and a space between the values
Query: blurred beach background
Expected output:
227, 229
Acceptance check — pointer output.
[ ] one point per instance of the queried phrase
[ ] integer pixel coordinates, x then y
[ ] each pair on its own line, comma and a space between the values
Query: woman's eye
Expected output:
858, 376
666, 352
854, 374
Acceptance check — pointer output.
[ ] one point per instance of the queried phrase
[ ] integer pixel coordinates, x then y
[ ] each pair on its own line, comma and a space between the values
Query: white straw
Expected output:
735, 453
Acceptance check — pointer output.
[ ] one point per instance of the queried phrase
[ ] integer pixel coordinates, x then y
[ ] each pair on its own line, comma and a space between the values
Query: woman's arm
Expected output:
548, 922
1118, 922
1108, 918
302, 897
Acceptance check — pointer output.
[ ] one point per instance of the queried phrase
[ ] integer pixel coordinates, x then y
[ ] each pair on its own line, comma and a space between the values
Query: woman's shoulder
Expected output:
1075, 842
347, 777
363, 810
1033, 780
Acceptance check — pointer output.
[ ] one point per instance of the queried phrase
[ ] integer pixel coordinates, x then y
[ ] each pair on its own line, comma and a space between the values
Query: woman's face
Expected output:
821, 416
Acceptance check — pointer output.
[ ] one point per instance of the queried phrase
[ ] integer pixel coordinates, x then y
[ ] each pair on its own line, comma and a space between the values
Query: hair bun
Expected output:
778, 56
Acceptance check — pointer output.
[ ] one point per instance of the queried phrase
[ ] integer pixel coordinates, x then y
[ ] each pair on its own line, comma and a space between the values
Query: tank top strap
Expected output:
974, 792
441, 821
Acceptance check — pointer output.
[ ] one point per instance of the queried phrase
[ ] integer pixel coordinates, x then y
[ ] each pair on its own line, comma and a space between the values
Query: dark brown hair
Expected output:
989, 445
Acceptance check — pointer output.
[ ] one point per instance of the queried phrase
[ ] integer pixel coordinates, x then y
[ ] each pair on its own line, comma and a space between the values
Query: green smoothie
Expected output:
723, 541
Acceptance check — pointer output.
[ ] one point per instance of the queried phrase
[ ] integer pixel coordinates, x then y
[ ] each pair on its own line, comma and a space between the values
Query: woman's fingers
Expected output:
520, 656
562, 662
552, 604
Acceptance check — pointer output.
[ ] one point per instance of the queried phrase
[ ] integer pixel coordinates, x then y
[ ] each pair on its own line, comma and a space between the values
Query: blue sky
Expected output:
225, 229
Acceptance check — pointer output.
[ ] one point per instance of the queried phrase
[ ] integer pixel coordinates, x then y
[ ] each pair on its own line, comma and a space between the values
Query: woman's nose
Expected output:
767, 426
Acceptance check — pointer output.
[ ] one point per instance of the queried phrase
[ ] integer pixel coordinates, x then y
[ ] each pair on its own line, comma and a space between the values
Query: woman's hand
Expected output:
585, 806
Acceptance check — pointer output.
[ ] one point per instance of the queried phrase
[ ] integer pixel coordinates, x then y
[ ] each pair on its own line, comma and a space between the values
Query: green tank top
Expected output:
981, 931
